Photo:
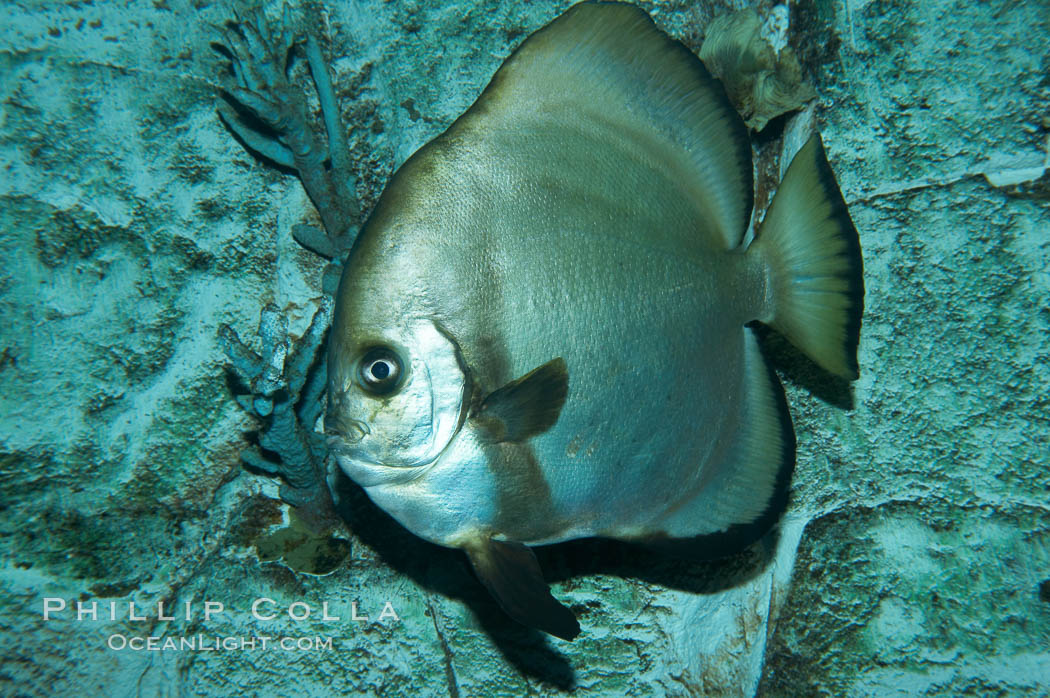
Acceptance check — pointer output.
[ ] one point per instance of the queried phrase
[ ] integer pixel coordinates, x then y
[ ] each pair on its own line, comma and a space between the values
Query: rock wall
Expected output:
915, 556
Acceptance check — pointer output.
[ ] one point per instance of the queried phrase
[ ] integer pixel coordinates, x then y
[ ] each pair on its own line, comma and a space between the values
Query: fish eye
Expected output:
380, 371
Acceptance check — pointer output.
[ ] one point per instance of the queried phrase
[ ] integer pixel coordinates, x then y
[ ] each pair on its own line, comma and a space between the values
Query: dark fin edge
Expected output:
796, 254
855, 271
738, 537
739, 131
512, 574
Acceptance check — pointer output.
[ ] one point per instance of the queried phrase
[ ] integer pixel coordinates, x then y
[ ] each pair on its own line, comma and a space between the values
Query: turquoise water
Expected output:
145, 413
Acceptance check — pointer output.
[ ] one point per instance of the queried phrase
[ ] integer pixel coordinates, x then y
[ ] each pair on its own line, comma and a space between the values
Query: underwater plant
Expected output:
412, 401
285, 383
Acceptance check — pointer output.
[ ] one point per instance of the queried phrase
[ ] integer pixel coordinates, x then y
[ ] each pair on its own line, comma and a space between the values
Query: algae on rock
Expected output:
916, 545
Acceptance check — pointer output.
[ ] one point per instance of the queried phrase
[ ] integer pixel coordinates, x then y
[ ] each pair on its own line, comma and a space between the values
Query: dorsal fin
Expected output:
608, 66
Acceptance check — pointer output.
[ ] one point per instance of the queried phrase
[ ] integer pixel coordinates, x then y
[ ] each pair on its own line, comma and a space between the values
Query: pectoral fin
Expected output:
512, 575
527, 406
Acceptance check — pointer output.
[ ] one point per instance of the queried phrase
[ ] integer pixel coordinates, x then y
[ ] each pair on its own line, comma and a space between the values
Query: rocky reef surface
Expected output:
140, 239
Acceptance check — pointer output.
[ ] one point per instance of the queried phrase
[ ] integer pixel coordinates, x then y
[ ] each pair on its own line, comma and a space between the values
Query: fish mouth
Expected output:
344, 439
343, 436
367, 472
349, 431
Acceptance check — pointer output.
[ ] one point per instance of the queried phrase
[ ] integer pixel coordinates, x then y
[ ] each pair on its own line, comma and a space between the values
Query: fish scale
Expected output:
558, 299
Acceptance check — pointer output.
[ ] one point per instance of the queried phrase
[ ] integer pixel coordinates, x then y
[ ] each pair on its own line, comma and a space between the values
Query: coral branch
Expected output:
265, 147
276, 379
286, 382
270, 116
340, 154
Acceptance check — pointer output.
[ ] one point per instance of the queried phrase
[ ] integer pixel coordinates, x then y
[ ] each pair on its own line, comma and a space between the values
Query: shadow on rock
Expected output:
447, 572
800, 370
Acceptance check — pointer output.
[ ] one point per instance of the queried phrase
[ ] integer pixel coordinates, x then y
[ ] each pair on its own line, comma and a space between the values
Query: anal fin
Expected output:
748, 490
511, 573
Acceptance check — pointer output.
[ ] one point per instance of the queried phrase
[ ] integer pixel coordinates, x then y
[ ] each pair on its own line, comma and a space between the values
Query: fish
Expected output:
546, 328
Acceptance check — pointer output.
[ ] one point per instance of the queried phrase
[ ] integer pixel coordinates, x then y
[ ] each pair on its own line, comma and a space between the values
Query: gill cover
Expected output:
405, 425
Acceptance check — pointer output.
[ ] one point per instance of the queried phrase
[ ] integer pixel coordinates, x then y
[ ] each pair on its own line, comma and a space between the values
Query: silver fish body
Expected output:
540, 334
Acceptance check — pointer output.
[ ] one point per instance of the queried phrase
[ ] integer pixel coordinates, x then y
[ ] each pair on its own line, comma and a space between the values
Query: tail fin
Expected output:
813, 252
